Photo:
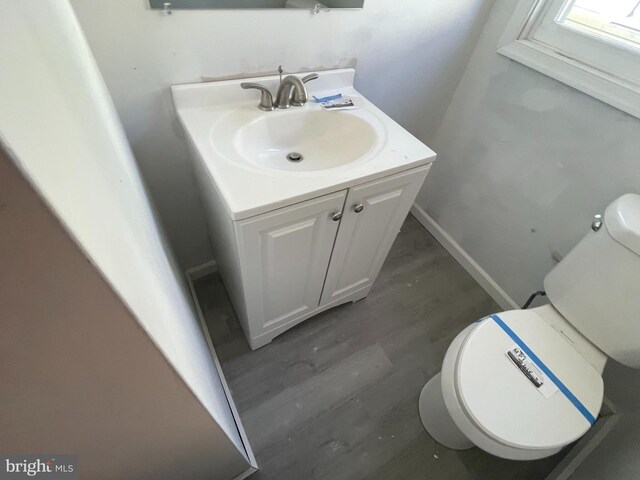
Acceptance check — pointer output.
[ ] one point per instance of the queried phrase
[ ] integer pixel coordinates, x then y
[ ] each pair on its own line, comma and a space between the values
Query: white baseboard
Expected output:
193, 274
202, 270
246, 473
464, 259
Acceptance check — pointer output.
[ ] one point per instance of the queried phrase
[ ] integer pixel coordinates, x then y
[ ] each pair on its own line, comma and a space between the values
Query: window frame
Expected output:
599, 68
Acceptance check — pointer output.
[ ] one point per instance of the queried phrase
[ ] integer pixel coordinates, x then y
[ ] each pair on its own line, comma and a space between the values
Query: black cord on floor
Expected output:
532, 298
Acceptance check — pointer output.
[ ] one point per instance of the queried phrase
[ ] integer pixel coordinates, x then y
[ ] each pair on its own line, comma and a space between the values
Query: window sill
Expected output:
516, 43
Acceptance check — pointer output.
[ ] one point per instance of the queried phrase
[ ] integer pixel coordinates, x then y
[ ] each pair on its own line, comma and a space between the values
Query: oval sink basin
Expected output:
297, 140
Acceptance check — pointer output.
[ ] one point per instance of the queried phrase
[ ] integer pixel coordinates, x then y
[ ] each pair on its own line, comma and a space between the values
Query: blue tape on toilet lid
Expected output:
546, 370
505, 403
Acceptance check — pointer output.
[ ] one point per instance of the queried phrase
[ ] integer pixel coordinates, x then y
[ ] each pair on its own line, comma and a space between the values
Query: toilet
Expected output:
523, 384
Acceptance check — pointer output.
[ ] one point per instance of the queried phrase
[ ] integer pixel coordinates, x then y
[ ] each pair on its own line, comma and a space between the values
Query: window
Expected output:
592, 45
617, 23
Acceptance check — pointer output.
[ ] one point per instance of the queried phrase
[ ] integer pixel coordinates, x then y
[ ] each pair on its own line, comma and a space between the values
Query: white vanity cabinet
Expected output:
295, 235
373, 215
302, 259
284, 256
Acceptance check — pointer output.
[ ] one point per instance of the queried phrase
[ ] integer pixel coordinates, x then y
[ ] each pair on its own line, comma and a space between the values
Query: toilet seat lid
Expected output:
504, 403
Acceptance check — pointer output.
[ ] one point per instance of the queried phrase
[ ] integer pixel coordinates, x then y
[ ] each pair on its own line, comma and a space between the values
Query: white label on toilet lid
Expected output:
530, 370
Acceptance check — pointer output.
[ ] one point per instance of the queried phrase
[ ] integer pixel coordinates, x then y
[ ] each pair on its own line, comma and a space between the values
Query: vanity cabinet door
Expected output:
373, 215
284, 256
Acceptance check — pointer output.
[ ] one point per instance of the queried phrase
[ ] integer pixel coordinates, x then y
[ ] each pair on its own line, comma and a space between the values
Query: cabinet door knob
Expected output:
358, 207
336, 216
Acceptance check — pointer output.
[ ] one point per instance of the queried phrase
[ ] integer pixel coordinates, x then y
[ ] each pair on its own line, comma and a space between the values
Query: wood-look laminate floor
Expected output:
336, 397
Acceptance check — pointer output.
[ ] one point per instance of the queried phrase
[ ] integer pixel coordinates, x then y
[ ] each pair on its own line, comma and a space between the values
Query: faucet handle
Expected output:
308, 78
266, 99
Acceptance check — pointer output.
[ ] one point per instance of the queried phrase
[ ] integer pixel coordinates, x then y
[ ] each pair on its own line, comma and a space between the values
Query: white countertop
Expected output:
249, 191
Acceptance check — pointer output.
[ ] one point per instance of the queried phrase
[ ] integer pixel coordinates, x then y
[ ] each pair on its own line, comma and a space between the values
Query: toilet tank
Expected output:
596, 287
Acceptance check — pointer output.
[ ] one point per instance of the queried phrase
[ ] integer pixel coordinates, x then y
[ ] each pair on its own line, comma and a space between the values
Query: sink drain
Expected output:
294, 157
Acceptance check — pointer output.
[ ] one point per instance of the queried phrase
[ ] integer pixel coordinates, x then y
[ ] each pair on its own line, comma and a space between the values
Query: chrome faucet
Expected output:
284, 99
290, 92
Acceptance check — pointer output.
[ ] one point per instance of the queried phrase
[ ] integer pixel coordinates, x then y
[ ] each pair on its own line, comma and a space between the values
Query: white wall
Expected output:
57, 118
409, 56
523, 163
78, 374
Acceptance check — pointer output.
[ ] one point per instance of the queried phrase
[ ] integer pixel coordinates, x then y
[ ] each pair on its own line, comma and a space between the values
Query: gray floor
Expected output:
336, 397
